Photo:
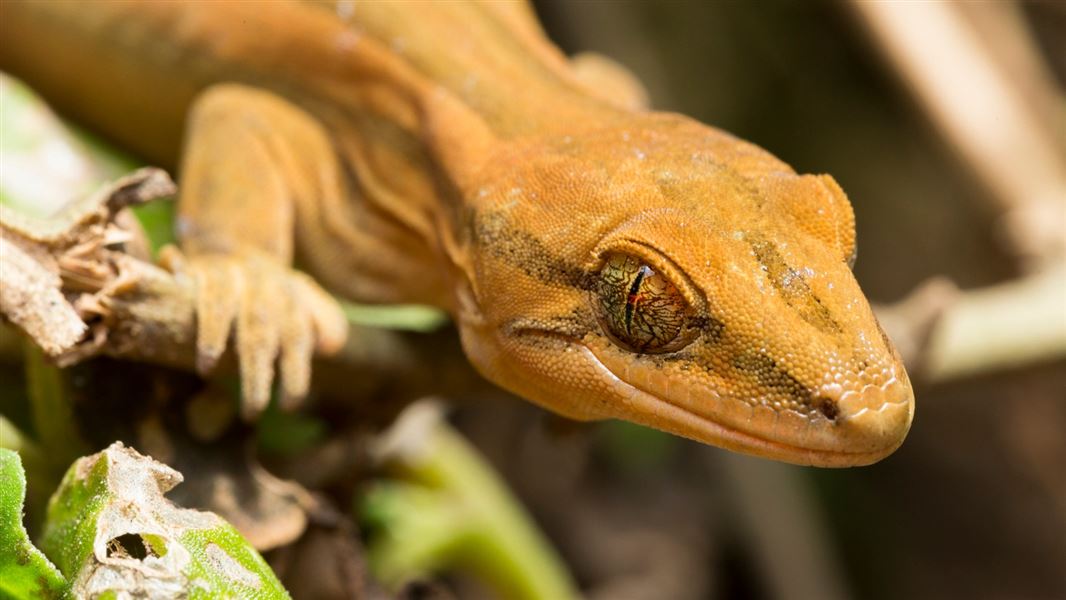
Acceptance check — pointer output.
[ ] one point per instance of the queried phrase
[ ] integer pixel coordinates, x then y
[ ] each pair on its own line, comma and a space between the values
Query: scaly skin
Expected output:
599, 259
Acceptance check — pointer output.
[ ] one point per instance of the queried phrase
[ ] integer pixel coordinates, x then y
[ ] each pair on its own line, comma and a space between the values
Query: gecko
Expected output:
600, 259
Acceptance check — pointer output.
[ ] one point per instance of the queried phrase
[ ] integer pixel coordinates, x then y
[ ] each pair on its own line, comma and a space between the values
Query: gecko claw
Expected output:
277, 317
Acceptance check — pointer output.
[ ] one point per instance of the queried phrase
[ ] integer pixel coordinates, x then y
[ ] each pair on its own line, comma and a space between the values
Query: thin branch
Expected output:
945, 334
973, 69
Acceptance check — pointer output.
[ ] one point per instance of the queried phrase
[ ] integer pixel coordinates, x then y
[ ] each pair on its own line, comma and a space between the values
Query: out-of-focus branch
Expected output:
1009, 325
783, 524
974, 70
947, 334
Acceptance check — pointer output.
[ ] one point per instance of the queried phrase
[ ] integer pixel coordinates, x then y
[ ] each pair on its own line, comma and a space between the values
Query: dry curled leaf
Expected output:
59, 274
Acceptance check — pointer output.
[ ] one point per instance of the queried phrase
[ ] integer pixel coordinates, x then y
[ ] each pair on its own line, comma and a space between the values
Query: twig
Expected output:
781, 520
997, 108
1010, 325
944, 334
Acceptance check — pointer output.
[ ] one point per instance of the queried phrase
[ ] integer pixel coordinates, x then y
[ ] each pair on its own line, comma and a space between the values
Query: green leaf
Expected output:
157, 219
24, 570
416, 531
110, 530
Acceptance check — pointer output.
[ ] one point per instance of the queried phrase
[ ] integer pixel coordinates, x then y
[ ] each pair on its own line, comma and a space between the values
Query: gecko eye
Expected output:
641, 309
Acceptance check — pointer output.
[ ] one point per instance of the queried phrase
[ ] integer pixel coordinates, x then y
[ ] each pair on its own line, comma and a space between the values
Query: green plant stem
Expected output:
465, 518
53, 414
506, 548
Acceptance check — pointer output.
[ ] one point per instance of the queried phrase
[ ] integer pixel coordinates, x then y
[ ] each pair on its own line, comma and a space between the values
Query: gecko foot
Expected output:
277, 315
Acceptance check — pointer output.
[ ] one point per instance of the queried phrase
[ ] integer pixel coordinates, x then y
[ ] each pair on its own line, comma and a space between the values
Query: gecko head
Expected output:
671, 275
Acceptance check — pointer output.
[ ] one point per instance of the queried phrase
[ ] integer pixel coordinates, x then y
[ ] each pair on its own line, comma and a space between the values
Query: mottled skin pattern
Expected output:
448, 153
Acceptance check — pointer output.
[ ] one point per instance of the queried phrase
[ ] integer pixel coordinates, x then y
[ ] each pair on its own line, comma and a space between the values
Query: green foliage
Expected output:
24, 570
52, 410
44, 167
157, 219
284, 433
637, 449
110, 529
49, 163
418, 531
71, 523
224, 563
405, 317
449, 510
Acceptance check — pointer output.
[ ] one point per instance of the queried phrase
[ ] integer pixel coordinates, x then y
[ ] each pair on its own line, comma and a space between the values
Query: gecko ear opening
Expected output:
819, 208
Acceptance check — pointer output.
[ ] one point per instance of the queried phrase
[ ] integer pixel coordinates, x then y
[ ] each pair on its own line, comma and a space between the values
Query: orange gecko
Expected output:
600, 259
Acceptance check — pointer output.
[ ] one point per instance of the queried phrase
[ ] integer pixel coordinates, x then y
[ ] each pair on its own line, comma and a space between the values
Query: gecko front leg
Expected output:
249, 158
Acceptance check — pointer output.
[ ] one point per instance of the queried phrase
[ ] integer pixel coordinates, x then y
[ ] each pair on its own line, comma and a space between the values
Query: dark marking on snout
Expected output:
765, 370
793, 287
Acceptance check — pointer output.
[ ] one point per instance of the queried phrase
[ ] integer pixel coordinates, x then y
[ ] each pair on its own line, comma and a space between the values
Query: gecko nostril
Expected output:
827, 406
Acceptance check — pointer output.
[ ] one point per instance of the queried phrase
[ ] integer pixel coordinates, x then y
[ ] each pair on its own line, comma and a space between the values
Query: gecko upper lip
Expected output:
869, 426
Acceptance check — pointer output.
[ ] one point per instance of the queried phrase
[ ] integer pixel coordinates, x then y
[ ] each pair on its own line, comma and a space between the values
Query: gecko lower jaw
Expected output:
869, 426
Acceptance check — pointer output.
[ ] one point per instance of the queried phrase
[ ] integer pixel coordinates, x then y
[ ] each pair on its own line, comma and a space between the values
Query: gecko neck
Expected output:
523, 85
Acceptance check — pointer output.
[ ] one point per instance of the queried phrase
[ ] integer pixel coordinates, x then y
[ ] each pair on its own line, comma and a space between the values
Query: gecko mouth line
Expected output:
732, 436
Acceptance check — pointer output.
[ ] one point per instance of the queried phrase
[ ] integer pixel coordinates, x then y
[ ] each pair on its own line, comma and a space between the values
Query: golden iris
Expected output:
641, 308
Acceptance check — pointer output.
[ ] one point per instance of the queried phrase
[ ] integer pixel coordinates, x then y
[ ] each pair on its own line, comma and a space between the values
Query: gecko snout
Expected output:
869, 421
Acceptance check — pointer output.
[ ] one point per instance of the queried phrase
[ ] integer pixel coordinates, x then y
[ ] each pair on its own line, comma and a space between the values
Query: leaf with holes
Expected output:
24, 571
111, 531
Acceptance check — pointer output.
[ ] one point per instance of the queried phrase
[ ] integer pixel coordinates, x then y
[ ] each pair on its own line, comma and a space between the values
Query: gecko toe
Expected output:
279, 318
297, 346
219, 288
330, 324
258, 342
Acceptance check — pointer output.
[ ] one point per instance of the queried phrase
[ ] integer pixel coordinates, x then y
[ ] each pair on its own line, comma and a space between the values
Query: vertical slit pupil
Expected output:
631, 299
641, 310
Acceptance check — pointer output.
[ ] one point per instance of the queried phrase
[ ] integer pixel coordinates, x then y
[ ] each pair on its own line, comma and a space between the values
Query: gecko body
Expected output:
599, 259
